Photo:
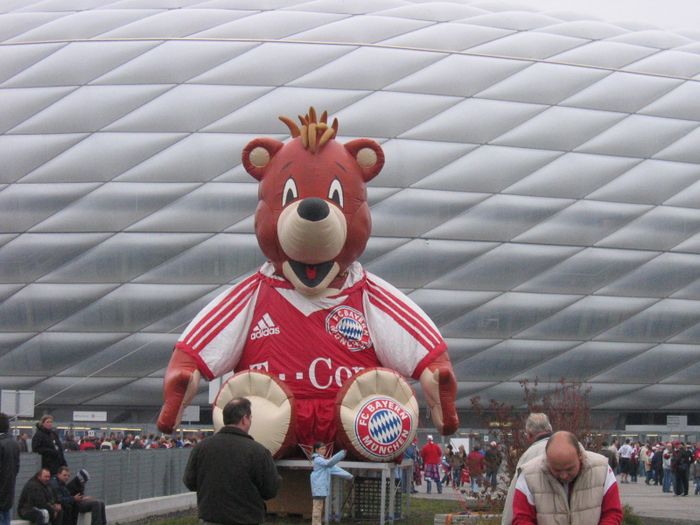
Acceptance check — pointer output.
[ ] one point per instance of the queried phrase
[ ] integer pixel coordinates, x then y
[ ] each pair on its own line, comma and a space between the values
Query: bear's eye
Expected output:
335, 193
289, 193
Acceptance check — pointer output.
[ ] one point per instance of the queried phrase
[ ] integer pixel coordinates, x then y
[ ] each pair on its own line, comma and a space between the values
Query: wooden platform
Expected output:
294, 497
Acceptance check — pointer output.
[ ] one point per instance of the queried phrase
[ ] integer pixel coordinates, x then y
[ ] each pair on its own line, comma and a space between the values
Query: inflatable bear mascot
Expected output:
320, 346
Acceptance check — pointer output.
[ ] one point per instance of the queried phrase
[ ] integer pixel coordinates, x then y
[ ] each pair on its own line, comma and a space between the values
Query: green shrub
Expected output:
629, 517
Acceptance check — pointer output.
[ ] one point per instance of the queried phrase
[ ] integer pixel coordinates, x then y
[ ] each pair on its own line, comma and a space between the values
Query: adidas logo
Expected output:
266, 326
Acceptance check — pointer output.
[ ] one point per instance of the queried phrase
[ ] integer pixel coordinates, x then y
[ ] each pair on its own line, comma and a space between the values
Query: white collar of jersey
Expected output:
309, 305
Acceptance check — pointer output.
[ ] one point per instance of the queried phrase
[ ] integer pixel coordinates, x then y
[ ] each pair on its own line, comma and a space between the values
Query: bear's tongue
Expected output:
310, 272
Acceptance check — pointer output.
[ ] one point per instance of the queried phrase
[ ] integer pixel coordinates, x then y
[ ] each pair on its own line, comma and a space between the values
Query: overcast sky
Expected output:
666, 14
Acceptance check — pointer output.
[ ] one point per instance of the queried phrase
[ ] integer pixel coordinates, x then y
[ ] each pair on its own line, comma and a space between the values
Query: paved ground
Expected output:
647, 501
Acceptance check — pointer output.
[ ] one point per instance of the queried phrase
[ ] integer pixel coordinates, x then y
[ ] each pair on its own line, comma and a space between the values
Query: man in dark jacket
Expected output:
657, 465
232, 474
38, 503
9, 467
46, 443
680, 466
73, 500
492, 462
608, 453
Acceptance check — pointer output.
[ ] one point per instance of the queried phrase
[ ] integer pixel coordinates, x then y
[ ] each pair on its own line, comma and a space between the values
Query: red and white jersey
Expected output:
312, 344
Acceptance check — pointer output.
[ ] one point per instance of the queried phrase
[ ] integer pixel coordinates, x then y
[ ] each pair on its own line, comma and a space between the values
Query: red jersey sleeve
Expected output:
611, 507
524, 511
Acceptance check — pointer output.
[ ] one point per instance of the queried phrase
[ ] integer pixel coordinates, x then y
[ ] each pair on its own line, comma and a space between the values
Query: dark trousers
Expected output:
658, 476
681, 485
95, 507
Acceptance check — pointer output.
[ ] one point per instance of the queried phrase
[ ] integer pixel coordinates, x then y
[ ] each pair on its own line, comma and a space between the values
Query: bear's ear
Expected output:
369, 155
258, 154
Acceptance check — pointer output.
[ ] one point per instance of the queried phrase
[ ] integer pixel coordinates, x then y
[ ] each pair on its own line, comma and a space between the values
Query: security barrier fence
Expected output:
117, 476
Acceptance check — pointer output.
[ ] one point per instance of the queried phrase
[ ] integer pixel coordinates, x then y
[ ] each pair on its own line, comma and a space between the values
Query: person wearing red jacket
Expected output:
475, 464
567, 484
87, 443
432, 459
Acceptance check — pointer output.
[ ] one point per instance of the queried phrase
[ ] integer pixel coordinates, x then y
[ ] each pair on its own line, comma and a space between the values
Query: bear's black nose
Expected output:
313, 209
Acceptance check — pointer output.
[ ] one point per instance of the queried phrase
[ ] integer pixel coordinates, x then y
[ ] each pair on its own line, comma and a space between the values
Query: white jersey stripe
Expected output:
610, 480
240, 292
222, 320
413, 319
521, 485
410, 317
417, 333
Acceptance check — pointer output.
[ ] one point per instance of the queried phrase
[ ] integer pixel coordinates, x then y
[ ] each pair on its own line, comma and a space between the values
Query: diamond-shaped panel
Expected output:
539, 198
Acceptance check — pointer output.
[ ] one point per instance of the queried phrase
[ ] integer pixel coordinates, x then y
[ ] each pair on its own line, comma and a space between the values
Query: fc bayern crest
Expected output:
348, 327
383, 427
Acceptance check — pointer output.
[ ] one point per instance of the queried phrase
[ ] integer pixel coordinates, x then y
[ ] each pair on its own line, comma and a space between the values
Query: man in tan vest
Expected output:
566, 486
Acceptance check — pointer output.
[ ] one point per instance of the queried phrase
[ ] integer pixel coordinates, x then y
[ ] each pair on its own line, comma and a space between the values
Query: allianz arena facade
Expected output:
540, 198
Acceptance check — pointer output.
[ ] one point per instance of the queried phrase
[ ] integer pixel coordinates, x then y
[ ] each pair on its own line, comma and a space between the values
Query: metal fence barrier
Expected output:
118, 476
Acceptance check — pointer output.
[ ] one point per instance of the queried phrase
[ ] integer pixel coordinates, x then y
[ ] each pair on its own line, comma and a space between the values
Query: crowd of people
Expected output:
673, 465
553, 460
469, 472
53, 496
50, 497
111, 441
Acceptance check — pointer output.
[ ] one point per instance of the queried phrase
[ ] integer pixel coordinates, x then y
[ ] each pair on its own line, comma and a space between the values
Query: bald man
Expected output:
567, 485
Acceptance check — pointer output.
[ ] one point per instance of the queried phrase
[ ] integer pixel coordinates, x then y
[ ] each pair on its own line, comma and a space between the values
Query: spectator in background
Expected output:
9, 467
88, 443
680, 465
666, 462
47, 444
73, 501
645, 455
457, 464
447, 466
136, 444
407, 477
70, 444
657, 464
38, 502
492, 462
23, 442
695, 474
431, 453
624, 455
475, 464
126, 442
607, 451
538, 430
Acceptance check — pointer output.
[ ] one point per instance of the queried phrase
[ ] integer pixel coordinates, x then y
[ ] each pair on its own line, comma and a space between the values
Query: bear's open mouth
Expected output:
311, 274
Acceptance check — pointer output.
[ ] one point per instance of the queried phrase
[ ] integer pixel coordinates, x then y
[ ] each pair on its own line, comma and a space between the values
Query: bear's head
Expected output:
312, 219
